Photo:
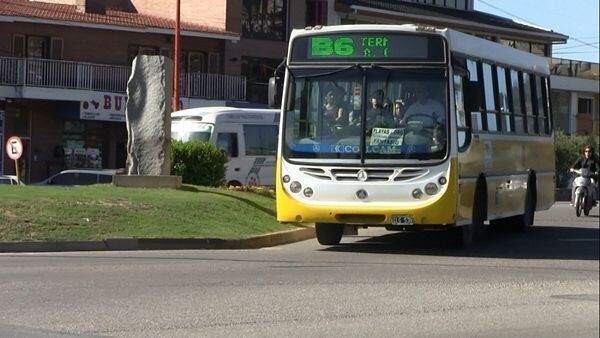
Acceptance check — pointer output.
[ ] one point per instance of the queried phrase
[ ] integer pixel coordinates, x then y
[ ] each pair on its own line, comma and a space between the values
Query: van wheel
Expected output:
329, 233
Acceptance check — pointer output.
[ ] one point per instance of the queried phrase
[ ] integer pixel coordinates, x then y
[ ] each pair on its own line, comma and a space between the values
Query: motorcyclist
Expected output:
589, 161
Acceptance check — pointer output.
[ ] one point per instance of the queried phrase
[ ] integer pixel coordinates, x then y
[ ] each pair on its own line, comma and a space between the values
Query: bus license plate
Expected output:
402, 220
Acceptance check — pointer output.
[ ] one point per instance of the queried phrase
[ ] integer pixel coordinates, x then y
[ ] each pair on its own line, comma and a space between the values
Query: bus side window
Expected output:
228, 143
517, 107
473, 97
461, 115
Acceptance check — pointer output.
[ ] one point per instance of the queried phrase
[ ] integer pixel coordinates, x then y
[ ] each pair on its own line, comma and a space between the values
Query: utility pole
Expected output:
176, 48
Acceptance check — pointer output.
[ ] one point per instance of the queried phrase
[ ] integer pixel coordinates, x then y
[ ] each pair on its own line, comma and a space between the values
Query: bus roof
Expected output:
228, 114
458, 42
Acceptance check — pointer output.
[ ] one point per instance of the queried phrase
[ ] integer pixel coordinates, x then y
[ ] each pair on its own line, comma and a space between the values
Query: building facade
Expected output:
64, 66
575, 96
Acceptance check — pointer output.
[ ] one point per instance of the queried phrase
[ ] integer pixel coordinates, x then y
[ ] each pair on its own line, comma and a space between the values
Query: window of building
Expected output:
261, 140
18, 46
214, 63
517, 108
584, 105
538, 49
196, 62
490, 102
264, 19
56, 48
257, 72
37, 47
316, 12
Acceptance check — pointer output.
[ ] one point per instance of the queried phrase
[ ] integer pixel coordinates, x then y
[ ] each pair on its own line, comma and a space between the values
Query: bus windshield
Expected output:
400, 114
191, 131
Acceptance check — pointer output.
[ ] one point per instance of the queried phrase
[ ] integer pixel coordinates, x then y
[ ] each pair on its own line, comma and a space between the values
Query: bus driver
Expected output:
424, 108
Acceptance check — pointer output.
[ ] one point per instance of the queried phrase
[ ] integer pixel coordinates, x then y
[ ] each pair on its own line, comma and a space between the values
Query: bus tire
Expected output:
525, 221
329, 233
470, 233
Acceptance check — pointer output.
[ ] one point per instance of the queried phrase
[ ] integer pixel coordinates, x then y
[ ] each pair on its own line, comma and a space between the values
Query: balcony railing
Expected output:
110, 78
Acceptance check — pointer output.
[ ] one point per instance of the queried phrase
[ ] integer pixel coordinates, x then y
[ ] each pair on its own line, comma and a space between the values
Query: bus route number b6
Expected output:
326, 46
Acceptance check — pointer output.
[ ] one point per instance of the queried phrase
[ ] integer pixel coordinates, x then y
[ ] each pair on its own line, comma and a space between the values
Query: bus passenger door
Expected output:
228, 142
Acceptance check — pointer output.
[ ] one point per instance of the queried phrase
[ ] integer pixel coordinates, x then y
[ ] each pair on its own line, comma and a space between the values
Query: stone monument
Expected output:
148, 116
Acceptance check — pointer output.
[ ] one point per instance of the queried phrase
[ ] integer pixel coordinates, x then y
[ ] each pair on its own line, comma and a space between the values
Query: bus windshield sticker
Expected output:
387, 137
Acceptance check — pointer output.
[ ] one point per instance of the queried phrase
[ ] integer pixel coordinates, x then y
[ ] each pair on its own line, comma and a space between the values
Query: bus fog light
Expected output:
308, 192
286, 179
295, 187
442, 180
417, 193
431, 188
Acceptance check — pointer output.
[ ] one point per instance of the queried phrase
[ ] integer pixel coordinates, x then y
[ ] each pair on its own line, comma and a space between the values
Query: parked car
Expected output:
10, 180
81, 177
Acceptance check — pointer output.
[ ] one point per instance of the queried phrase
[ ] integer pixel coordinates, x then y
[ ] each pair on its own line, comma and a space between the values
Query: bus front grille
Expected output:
373, 175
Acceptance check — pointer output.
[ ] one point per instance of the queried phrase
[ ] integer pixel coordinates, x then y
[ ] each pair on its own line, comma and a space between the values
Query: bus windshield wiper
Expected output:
333, 72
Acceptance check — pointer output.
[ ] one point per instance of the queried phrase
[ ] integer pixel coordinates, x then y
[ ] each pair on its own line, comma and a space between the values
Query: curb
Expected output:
128, 244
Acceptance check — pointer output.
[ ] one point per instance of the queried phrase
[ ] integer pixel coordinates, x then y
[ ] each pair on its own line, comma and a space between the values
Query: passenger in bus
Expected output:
380, 114
398, 112
334, 116
424, 108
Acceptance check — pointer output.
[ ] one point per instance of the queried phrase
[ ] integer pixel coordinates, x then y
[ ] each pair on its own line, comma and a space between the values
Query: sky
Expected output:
576, 18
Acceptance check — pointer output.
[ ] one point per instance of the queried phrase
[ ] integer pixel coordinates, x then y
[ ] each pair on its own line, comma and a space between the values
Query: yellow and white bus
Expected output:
411, 128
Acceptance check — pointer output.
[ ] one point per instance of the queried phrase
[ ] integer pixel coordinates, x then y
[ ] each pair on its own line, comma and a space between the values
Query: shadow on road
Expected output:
542, 242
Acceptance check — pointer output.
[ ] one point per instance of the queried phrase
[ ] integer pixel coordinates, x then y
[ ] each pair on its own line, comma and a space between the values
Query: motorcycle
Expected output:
585, 194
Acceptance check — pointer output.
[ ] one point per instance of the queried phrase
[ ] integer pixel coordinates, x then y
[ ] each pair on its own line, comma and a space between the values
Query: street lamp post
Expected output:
176, 48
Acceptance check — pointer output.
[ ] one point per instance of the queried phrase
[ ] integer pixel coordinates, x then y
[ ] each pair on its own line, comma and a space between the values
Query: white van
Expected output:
247, 136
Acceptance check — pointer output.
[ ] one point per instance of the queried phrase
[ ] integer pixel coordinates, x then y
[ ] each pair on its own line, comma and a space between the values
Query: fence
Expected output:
110, 78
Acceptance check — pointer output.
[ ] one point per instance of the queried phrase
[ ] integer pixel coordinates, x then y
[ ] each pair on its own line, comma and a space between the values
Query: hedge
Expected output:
199, 163
568, 150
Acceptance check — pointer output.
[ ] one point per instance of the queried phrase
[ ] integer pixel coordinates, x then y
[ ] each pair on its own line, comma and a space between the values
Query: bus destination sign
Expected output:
377, 46
357, 46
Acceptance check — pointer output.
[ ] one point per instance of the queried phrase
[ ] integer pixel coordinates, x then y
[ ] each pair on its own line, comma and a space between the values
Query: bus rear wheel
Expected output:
329, 233
525, 221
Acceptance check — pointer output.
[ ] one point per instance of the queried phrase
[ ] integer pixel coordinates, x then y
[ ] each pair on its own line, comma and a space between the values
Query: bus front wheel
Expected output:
329, 233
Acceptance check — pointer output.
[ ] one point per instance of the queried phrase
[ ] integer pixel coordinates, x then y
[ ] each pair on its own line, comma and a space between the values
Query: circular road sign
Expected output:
14, 148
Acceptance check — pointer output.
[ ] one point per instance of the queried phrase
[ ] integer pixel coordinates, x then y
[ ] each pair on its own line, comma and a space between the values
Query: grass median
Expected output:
98, 212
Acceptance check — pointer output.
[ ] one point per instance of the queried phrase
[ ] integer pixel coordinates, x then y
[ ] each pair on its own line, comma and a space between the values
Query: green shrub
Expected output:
568, 150
199, 163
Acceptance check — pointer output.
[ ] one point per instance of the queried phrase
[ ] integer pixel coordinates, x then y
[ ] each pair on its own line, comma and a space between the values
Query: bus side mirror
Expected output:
275, 90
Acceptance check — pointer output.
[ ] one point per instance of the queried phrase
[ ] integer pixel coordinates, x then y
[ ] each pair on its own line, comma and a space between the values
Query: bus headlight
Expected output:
431, 188
442, 180
295, 187
417, 193
286, 179
308, 192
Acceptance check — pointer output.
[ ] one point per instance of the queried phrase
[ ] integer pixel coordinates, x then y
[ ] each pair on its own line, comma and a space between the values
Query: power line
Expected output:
590, 52
576, 46
531, 23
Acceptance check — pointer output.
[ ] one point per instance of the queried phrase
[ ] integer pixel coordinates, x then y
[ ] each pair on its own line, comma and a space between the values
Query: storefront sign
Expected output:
104, 107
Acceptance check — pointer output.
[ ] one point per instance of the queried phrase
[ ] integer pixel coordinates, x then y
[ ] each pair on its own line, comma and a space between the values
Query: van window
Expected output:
228, 142
261, 140
190, 131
